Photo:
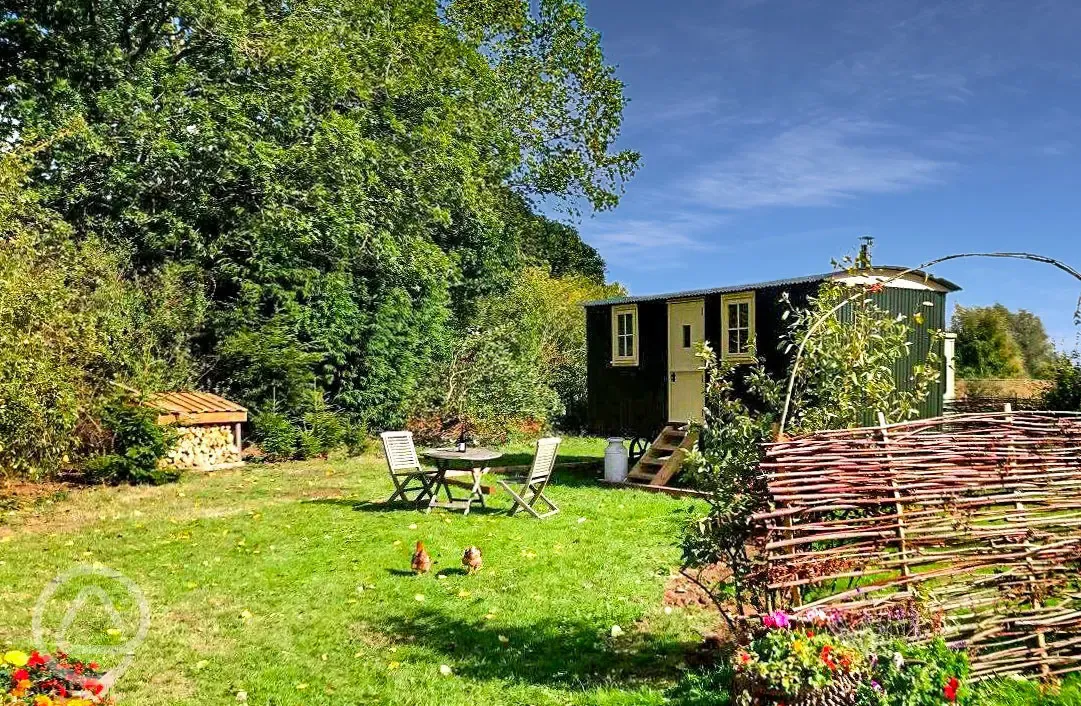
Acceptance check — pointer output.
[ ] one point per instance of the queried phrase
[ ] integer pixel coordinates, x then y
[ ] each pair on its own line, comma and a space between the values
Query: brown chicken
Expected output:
422, 563
472, 560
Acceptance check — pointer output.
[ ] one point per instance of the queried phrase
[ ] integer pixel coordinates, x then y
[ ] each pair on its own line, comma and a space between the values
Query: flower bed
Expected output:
49, 680
818, 660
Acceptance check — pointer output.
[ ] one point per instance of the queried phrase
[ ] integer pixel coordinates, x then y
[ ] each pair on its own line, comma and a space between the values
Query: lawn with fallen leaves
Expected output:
290, 584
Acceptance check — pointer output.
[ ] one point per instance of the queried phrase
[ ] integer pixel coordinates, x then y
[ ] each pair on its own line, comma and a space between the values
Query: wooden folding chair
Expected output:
412, 483
536, 480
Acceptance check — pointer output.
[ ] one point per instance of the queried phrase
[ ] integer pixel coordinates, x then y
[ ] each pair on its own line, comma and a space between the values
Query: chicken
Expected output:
422, 563
472, 560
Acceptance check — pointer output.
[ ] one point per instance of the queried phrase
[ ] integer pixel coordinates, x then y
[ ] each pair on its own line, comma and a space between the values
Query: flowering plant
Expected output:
794, 661
931, 674
807, 656
37, 679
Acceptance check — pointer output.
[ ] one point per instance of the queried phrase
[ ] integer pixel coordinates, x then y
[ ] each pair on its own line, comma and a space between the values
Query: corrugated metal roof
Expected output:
807, 279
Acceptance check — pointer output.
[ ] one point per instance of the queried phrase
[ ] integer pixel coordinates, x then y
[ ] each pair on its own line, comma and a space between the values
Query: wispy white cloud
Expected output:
680, 110
654, 243
814, 165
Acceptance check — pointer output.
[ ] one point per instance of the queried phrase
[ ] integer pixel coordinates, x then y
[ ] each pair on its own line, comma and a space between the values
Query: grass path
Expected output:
290, 583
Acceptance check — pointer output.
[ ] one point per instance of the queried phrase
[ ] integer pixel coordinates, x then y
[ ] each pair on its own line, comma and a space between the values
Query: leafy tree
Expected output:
1036, 348
341, 172
986, 347
522, 358
849, 369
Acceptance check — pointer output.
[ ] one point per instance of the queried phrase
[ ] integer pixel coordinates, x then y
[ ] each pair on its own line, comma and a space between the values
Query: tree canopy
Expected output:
344, 180
993, 342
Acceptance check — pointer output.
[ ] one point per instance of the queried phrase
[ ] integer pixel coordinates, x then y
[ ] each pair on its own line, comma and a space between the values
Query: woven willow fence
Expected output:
976, 517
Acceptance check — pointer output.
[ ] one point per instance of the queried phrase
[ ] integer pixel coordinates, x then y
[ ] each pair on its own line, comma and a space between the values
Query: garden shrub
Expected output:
73, 322
1065, 391
318, 431
138, 444
308, 445
356, 439
276, 435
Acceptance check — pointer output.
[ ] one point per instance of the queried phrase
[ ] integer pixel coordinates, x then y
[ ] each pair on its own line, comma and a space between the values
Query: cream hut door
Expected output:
686, 382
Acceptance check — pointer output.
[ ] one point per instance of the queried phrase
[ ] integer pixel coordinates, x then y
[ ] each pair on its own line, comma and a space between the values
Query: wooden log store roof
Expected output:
188, 408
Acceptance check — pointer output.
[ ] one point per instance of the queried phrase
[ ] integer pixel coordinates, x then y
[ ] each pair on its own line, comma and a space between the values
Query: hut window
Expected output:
737, 326
625, 335
686, 335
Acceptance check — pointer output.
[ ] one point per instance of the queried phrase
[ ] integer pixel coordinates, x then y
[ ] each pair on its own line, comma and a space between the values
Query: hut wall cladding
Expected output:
630, 400
977, 516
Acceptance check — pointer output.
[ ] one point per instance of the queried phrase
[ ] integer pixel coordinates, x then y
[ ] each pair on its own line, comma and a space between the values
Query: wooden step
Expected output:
664, 458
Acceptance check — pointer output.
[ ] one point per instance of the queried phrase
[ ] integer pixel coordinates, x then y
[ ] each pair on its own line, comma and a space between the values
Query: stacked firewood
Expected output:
203, 446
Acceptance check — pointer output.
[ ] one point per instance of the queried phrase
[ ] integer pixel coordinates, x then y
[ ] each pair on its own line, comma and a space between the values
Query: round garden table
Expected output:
473, 464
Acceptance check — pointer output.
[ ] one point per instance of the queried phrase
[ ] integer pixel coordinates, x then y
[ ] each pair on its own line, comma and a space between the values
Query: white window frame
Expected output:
737, 298
635, 341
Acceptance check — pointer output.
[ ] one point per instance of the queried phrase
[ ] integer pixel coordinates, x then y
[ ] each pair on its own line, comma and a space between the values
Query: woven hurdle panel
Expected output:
975, 516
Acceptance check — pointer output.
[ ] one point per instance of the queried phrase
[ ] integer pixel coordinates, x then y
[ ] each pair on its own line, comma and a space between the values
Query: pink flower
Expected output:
777, 620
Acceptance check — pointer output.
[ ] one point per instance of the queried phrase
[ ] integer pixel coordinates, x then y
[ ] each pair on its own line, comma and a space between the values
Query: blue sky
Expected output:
774, 133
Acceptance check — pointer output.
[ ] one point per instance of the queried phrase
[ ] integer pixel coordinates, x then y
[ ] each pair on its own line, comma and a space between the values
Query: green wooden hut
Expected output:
644, 381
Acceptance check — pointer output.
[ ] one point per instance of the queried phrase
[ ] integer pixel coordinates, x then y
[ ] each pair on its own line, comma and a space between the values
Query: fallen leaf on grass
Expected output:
419, 597
445, 670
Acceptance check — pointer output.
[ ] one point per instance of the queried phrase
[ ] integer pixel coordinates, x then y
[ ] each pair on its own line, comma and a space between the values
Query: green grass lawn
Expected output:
291, 583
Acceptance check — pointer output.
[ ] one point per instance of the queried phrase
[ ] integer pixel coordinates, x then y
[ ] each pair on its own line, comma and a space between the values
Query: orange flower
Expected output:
826, 656
21, 687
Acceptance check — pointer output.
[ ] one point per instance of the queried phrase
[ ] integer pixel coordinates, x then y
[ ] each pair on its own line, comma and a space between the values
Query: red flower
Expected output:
20, 675
94, 665
827, 658
94, 686
37, 660
877, 287
950, 690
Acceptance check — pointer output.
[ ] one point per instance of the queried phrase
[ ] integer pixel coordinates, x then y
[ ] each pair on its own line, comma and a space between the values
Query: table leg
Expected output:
480, 493
440, 480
